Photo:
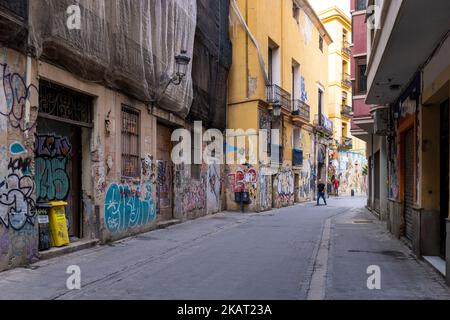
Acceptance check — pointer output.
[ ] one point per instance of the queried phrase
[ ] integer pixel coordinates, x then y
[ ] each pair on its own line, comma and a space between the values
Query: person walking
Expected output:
336, 187
321, 192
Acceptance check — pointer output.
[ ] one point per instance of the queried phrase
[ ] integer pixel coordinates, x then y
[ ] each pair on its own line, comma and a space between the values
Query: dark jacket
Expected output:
321, 187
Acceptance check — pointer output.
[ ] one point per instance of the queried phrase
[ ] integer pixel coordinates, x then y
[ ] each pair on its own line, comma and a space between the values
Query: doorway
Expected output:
58, 168
63, 117
164, 166
444, 176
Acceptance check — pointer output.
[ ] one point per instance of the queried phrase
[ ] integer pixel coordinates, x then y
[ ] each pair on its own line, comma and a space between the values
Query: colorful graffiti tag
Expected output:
52, 155
17, 206
244, 179
126, 208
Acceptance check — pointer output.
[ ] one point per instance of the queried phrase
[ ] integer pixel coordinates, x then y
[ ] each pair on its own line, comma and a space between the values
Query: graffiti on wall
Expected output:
17, 206
348, 168
52, 155
194, 198
244, 179
285, 188
306, 181
264, 192
128, 207
164, 185
13, 98
214, 187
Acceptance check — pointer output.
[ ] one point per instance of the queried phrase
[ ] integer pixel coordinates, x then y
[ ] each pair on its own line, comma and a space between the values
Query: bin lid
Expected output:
43, 205
58, 203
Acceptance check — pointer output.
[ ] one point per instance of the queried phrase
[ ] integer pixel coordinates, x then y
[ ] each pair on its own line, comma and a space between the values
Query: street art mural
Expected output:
244, 179
128, 207
52, 179
348, 168
284, 189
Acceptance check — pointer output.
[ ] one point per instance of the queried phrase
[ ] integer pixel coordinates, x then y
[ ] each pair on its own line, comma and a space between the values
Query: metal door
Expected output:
58, 168
409, 184
376, 177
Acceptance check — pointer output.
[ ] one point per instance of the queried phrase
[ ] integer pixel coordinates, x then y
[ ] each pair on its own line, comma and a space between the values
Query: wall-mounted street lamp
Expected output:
276, 109
181, 65
182, 61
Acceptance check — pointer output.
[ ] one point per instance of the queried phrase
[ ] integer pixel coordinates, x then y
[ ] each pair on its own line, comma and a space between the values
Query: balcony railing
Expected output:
346, 48
346, 80
18, 7
297, 157
324, 124
301, 109
346, 110
346, 143
278, 96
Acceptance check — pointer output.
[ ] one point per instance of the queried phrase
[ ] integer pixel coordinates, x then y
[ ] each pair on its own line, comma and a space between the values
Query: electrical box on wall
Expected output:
381, 120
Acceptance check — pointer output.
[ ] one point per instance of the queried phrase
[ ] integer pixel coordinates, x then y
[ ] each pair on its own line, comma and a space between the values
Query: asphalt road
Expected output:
301, 252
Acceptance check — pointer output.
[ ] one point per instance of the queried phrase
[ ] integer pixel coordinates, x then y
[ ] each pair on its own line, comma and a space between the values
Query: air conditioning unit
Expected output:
381, 121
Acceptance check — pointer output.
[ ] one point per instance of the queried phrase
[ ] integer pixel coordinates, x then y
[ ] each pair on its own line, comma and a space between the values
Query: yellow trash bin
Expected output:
59, 235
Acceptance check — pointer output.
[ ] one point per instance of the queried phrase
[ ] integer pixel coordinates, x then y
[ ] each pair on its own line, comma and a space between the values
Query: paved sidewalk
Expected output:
359, 240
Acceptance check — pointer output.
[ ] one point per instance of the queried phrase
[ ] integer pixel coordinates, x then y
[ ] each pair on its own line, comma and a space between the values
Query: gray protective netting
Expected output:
129, 45
211, 63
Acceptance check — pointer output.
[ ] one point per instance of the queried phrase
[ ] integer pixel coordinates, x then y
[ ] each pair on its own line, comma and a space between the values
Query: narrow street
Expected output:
300, 252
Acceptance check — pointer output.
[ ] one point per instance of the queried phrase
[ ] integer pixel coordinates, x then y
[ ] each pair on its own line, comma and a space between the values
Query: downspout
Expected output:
236, 10
28, 74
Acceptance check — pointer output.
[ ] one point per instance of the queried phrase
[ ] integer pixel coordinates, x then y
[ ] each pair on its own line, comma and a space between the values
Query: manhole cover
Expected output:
362, 221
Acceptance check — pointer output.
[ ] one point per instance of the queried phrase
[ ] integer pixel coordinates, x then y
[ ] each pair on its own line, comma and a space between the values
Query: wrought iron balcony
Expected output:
346, 110
346, 143
297, 157
278, 96
346, 80
346, 48
324, 124
302, 110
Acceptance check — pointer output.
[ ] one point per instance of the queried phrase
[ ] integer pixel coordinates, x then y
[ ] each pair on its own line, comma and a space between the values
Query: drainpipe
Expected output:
28, 73
27, 102
238, 13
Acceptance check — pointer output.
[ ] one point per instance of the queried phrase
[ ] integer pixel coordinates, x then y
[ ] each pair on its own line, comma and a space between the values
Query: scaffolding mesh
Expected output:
128, 45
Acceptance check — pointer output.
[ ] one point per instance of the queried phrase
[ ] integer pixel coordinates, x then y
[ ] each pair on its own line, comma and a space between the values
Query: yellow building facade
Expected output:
278, 81
347, 156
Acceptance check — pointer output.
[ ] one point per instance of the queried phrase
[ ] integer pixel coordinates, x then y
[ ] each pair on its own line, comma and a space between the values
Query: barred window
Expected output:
130, 143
